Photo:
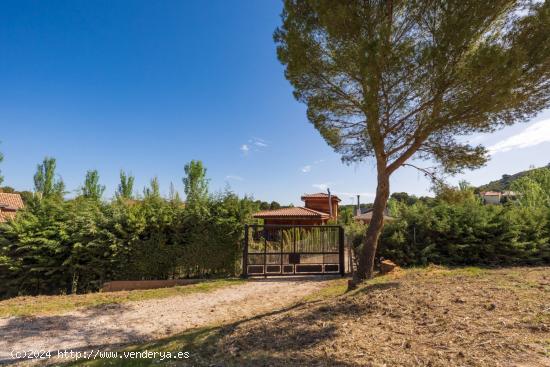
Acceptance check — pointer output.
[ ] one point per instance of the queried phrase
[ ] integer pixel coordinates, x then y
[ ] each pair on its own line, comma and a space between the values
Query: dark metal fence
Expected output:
293, 250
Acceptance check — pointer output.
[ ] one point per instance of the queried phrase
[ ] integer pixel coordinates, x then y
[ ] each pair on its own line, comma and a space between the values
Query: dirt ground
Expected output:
136, 322
434, 317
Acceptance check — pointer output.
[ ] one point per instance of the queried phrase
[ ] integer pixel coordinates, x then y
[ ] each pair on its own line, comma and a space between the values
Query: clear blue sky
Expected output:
147, 86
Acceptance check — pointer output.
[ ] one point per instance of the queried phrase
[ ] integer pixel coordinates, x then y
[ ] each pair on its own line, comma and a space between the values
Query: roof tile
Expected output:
11, 201
296, 212
319, 195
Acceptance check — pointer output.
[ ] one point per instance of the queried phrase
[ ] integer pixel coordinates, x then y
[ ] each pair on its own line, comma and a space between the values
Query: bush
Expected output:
74, 246
467, 233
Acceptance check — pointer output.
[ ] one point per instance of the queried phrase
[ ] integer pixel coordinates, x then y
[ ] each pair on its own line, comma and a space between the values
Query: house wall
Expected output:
322, 206
491, 199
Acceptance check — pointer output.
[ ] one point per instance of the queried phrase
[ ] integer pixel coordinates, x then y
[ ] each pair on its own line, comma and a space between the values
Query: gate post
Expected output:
341, 254
245, 252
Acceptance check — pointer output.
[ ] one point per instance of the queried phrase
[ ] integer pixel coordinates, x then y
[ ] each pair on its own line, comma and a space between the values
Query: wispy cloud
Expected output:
254, 144
322, 186
245, 149
535, 134
353, 195
234, 177
259, 142
308, 167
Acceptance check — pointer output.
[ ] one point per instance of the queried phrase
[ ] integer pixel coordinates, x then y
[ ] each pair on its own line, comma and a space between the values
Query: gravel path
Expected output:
147, 320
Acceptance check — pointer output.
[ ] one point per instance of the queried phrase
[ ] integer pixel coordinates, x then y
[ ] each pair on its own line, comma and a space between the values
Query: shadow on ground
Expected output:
24, 330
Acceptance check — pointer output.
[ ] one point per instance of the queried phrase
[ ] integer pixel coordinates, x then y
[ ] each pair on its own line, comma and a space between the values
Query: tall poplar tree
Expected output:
196, 186
402, 82
92, 189
45, 182
125, 188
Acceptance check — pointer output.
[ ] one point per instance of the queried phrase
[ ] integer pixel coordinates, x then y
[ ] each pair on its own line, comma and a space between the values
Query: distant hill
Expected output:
506, 180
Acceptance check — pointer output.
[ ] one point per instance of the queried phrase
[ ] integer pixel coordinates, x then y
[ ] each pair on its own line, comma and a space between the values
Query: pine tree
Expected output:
399, 80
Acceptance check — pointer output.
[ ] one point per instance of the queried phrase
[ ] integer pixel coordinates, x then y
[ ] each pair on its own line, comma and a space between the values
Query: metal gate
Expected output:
293, 250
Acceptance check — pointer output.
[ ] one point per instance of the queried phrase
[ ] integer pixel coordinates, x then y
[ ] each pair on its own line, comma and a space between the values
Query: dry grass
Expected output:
53, 305
418, 317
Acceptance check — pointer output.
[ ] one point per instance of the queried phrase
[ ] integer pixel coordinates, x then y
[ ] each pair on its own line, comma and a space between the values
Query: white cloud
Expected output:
245, 148
260, 144
354, 194
234, 177
254, 145
535, 134
308, 167
322, 186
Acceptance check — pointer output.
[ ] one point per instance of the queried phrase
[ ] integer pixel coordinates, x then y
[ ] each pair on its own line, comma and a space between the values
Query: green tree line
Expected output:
455, 228
73, 246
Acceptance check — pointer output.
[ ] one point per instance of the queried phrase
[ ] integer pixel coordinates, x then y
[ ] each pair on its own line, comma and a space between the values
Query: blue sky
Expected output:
147, 86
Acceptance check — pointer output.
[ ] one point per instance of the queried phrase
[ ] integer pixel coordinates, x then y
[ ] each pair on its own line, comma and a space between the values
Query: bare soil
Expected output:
136, 322
433, 317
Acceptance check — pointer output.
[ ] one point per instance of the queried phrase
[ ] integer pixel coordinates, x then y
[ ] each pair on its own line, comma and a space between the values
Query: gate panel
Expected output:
290, 250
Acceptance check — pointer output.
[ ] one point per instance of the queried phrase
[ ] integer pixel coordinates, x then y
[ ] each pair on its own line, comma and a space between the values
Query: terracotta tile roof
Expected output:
319, 195
9, 204
11, 201
297, 212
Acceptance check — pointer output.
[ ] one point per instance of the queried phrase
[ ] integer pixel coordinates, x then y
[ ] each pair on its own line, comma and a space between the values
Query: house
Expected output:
366, 216
497, 197
9, 205
491, 197
318, 209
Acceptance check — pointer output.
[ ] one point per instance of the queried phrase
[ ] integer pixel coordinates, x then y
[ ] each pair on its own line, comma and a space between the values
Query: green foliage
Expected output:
505, 183
467, 233
395, 81
153, 191
125, 188
533, 189
45, 182
403, 79
345, 215
73, 246
196, 186
455, 195
92, 189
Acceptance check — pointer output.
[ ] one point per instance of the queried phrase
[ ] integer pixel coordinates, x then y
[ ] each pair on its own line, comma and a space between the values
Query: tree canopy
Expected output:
92, 189
125, 188
196, 185
46, 183
402, 80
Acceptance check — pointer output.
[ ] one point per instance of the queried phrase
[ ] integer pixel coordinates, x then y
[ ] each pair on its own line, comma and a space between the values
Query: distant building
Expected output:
491, 197
319, 208
496, 197
366, 216
9, 205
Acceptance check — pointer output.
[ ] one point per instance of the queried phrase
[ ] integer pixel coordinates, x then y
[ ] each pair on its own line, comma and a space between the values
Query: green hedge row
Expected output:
57, 246
466, 233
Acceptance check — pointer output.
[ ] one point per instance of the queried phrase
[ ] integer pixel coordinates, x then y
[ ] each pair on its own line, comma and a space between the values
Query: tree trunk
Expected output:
368, 250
